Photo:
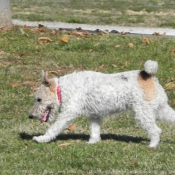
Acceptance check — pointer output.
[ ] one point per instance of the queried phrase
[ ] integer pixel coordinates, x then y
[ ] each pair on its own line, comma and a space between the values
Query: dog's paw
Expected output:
36, 139
41, 139
153, 145
93, 141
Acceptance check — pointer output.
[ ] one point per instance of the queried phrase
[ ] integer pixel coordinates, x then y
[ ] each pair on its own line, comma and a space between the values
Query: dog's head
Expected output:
46, 101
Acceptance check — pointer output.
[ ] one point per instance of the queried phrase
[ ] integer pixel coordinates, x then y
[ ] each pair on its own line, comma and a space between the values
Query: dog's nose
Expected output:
31, 116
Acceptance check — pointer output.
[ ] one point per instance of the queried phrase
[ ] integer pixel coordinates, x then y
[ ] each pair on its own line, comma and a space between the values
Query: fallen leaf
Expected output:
21, 54
125, 147
22, 31
40, 25
131, 45
146, 41
105, 31
64, 144
124, 33
169, 86
149, 150
53, 32
97, 31
172, 79
42, 29
172, 51
97, 44
72, 127
78, 33
158, 34
134, 162
64, 39
33, 30
3, 53
79, 28
45, 39
102, 66
4, 28
26, 27
114, 65
117, 46
114, 31
14, 84
126, 63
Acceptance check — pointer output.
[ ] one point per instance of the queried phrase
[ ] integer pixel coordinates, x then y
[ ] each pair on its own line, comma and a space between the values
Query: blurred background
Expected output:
143, 13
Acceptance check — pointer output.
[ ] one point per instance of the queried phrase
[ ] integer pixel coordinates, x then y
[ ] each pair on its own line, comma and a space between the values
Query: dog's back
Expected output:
103, 94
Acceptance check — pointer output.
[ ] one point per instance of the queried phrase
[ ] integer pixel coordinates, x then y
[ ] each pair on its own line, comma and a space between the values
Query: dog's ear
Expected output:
44, 78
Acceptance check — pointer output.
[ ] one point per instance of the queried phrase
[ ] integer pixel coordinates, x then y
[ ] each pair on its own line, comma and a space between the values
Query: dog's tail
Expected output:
151, 67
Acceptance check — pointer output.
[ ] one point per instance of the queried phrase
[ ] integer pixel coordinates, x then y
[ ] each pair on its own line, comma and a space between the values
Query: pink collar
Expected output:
59, 93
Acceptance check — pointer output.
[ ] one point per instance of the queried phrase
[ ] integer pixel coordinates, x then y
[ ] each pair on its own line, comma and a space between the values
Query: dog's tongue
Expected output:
45, 116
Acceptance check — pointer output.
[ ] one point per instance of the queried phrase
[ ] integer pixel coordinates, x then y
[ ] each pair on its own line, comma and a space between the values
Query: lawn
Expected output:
25, 51
146, 13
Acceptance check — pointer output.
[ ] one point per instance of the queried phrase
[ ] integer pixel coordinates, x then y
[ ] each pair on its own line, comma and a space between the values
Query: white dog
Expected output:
95, 95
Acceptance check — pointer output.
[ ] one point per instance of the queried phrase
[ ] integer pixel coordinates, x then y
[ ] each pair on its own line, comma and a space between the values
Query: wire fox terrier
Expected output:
95, 95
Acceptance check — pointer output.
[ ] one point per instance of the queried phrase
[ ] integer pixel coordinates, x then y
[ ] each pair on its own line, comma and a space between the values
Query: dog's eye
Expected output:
39, 99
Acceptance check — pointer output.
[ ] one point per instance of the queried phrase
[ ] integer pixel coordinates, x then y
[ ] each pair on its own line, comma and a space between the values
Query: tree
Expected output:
5, 14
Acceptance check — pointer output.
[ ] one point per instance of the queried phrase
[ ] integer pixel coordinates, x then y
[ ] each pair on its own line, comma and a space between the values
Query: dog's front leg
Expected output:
95, 123
63, 121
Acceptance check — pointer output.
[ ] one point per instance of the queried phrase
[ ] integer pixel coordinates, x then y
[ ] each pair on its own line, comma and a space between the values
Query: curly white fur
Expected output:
95, 95
151, 67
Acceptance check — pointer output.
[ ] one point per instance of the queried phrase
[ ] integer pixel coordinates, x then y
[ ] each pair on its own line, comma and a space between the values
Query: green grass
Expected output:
150, 13
124, 146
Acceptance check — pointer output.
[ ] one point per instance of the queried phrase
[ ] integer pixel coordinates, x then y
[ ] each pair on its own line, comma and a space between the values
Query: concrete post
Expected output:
5, 14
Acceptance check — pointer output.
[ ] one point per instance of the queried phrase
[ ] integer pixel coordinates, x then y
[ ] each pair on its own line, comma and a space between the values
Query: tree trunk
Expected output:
5, 14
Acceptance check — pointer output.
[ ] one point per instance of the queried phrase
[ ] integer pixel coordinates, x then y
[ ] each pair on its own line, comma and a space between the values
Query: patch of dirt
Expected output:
143, 12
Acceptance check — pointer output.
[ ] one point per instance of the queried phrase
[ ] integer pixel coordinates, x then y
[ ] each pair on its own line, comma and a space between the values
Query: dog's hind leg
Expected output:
95, 123
63, 121
147, 120
166, 113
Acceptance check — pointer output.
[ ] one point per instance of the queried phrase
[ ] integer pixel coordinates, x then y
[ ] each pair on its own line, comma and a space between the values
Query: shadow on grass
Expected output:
25, 136
122, 138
